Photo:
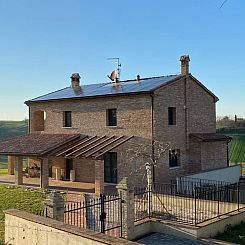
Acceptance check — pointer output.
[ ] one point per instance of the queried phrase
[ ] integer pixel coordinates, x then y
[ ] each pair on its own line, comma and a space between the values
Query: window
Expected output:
112, 117
69, 167
39, 118
67, 119
174, 158
110, 167
171, 115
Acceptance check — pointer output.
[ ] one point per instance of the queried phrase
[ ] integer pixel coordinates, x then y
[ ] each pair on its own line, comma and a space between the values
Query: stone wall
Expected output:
24, 228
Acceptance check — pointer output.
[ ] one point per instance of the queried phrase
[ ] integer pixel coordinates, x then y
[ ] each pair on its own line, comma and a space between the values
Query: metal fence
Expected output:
192, 204
102, 214
242, 169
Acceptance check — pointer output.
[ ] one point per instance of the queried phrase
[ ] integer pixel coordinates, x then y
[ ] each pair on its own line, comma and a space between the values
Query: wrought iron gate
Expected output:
103, 214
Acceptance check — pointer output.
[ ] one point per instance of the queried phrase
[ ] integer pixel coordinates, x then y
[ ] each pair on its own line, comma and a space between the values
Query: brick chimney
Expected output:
75, 81
184, 59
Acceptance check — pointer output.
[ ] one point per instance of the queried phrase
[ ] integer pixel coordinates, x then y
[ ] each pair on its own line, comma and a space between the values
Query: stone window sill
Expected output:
174, 168
108, 183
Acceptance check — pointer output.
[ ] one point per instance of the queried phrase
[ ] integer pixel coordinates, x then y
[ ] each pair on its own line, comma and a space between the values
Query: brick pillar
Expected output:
44, 175
18, 170
11, 165
126, 192
54, 206
99, 176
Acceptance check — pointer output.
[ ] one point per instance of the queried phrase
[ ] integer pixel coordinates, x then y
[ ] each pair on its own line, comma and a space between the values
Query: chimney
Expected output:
138, 78
75, 81
184, 59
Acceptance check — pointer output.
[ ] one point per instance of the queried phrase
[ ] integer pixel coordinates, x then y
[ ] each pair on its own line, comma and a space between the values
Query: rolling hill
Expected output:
10, 129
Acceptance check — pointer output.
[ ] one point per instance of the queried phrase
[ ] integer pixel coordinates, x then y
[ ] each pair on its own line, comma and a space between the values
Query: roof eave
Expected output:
204, 87
28, 102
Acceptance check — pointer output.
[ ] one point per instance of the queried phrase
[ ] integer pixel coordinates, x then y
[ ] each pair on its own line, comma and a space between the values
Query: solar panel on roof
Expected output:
108, 89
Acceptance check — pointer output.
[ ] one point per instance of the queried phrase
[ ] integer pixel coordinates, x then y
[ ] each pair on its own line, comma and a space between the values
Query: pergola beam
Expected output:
84, 140
94, 146
102, 147
90, 143
113, 147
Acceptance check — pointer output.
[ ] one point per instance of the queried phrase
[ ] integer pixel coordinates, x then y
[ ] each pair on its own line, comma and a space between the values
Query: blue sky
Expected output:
43, 42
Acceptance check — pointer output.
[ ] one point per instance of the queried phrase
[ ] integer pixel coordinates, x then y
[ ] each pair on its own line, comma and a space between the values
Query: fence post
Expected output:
219, 190
54, 206
195, 198
126, 193
102, 214
238, 196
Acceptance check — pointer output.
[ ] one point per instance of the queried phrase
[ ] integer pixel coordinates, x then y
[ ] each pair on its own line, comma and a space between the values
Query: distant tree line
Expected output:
229, 122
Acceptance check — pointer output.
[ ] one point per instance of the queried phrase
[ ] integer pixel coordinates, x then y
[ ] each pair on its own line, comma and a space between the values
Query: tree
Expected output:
150, 154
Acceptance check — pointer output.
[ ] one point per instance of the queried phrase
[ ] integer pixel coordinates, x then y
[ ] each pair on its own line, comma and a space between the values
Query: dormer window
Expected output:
111, 117
67, 122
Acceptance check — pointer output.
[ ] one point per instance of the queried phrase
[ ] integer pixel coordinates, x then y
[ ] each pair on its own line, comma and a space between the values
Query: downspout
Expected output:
227, 151
152, 135
29, 120
185, 108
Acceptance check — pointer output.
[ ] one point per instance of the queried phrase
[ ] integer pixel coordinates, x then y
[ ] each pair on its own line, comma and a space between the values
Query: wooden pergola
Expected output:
44, 146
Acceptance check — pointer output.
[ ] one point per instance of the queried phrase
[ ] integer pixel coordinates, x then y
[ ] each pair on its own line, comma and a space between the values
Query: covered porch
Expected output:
59, 146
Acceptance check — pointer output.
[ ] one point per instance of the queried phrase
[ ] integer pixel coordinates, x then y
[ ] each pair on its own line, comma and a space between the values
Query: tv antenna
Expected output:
115, 75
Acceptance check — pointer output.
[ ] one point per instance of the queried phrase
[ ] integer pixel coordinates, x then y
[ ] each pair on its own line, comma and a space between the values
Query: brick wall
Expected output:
84, 170
89, 116
195, 110
214, 155
201, 109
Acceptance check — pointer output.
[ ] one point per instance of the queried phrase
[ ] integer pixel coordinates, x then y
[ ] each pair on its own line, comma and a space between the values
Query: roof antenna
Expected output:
115, 75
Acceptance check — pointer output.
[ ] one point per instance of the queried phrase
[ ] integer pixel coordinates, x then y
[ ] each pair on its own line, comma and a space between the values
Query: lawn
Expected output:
19, 198
234, 234
3, 171
237, 148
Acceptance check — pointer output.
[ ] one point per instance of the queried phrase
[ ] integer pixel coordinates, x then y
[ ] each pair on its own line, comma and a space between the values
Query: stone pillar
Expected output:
11, 165
44, 175
99, 177
126, 192
54, 206
18, 170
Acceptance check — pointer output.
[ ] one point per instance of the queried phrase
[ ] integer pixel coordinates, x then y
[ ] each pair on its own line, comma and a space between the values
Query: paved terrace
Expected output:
57, 184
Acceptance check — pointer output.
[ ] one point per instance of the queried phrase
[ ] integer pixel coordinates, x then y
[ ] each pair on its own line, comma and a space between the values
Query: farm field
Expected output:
237, 148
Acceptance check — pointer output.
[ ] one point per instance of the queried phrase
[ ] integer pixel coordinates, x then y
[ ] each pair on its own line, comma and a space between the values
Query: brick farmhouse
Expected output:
90, 132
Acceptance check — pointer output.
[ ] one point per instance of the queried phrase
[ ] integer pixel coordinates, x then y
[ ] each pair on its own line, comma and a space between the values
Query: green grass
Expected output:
237, 148
3, 171
19, 198
235, 234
